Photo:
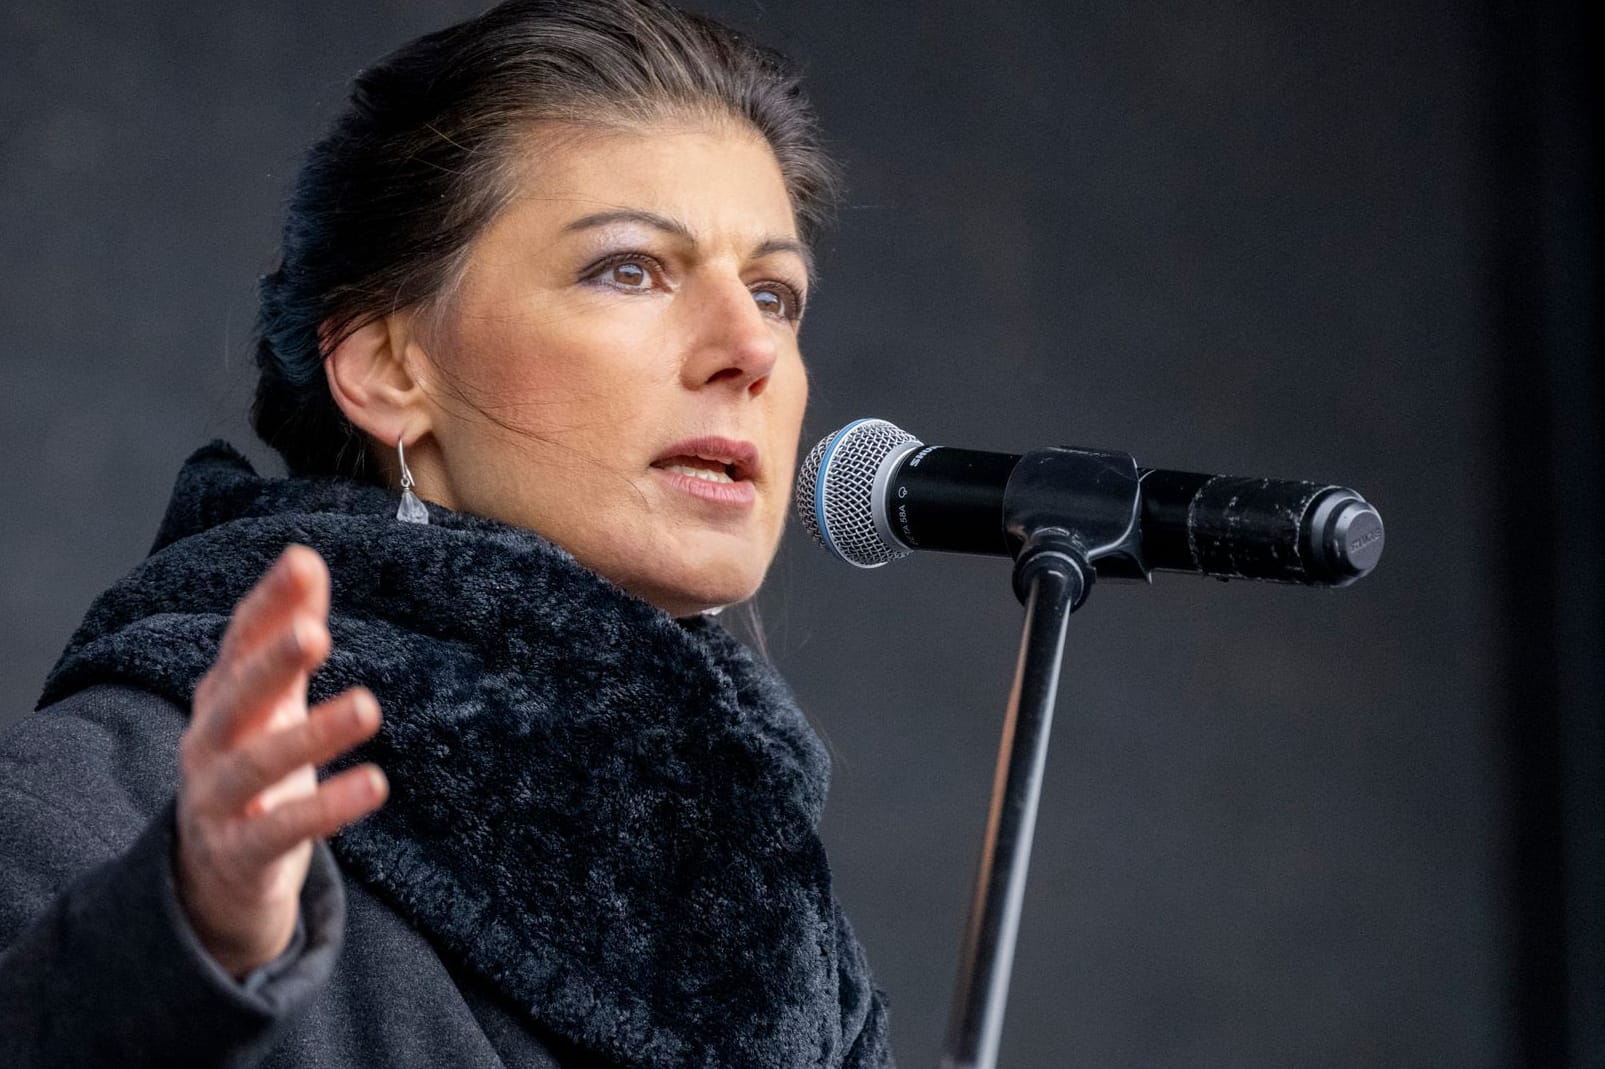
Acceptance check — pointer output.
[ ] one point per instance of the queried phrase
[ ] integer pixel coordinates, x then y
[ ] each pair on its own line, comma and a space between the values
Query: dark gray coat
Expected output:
101, 967
600, 846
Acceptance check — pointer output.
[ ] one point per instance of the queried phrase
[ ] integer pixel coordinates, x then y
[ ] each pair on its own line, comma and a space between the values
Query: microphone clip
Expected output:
1097, 522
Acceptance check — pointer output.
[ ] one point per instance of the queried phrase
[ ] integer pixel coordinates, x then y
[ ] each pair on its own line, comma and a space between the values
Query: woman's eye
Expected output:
778, 300
633, 272
628, 275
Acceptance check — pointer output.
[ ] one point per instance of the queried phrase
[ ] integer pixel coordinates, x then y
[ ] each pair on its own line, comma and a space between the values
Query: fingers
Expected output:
338, 801
276, 637
249, 799
237, 689
330, 729
298, 582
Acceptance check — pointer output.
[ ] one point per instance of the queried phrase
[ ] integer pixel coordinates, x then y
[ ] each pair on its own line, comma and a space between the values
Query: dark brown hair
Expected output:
387, 203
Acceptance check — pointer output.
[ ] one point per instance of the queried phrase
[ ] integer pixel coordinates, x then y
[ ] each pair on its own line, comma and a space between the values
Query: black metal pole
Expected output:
1053, 577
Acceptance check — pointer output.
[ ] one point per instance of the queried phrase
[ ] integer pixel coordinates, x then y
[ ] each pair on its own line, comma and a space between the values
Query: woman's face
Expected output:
625, 337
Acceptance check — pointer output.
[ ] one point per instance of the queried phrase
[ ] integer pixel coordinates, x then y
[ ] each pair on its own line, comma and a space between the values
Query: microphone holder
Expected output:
1053, 573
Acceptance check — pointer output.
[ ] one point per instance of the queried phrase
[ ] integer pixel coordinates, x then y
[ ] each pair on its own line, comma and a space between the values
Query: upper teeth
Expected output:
710, 474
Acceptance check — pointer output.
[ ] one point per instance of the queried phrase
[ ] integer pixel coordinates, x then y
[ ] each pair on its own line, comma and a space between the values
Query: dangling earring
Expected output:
412, 510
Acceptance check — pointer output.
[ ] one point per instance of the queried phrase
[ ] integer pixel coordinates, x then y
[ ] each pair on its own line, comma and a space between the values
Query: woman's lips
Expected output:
738, 493
720, 470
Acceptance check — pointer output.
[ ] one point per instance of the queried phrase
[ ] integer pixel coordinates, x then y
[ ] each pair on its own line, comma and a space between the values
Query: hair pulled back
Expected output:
386, 204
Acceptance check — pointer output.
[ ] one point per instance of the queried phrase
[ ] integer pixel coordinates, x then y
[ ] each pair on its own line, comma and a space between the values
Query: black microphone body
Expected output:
959, 500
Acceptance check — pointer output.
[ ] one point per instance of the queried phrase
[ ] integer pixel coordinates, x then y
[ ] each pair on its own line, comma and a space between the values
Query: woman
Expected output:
531, 357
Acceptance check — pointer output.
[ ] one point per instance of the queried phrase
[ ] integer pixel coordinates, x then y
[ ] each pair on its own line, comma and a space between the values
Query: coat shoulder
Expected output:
104, 759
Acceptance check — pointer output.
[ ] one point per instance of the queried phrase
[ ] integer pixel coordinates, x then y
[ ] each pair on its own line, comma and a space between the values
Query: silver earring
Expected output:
412, 510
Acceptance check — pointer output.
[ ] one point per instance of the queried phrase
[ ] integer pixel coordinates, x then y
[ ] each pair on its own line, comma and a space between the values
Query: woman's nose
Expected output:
734, 342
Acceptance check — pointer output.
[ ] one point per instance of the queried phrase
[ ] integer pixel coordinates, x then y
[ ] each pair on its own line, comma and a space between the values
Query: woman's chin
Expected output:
690, 603
681, 575
698, 594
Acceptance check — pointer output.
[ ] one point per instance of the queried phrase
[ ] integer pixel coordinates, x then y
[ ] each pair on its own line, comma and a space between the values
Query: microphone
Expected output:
871, 493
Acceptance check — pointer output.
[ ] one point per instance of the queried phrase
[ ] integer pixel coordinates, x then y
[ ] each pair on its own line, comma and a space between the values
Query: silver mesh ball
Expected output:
851, 460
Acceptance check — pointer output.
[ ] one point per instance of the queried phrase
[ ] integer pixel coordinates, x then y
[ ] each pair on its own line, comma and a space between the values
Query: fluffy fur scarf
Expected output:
608, 813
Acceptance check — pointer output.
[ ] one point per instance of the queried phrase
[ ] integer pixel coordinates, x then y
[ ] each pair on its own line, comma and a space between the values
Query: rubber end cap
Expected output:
1354, 539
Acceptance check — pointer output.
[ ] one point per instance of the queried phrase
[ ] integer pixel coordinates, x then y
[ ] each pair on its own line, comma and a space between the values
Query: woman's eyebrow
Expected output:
632, 215
774, 245
680, 230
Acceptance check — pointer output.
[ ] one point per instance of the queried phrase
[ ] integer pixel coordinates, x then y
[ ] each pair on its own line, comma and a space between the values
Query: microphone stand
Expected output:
1052, 576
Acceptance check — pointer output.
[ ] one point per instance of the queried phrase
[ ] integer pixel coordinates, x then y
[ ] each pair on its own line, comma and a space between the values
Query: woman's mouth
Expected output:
720, 474
719, 470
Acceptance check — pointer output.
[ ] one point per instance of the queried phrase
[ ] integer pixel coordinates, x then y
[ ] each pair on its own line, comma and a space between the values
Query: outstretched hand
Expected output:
249, 800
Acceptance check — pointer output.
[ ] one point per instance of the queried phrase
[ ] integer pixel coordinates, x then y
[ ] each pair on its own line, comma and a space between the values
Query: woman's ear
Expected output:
376, 385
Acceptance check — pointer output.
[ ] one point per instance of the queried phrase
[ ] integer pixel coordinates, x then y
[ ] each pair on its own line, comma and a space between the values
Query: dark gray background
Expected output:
1350, 242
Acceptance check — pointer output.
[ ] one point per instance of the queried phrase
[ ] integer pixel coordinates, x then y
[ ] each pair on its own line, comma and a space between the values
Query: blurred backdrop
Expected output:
1353, 242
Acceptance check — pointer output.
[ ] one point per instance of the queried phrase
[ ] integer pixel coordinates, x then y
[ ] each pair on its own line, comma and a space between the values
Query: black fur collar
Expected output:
608, 813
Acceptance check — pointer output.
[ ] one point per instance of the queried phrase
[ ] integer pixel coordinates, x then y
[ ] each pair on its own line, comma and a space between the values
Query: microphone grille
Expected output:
836, 487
